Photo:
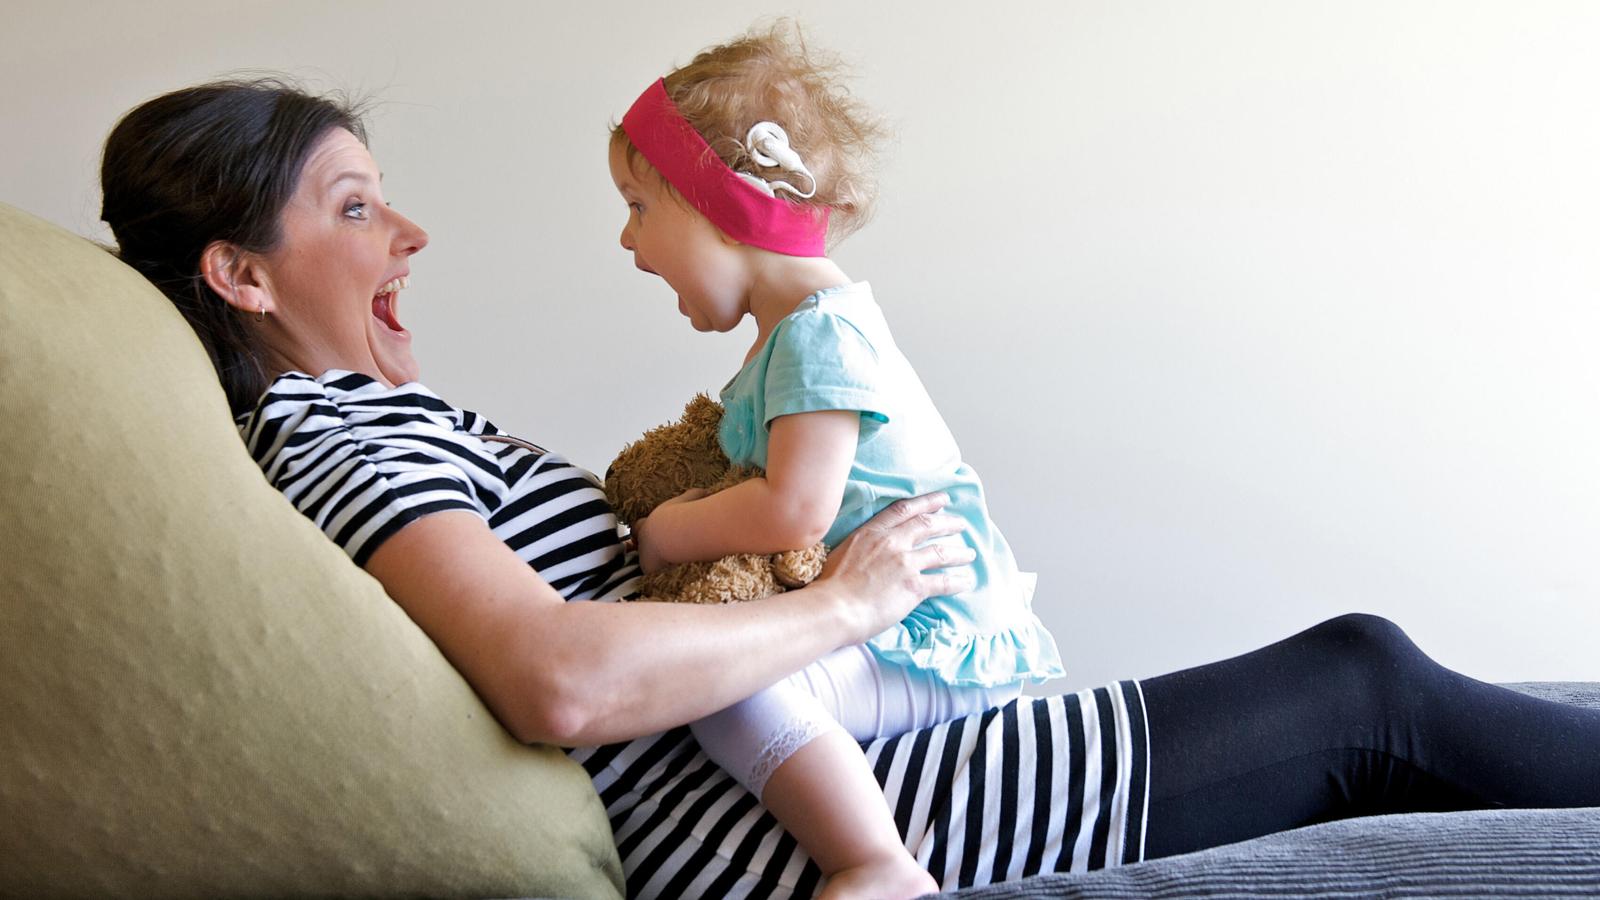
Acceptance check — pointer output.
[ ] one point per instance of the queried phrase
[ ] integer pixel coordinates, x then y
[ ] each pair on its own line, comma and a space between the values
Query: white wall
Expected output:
1250, 312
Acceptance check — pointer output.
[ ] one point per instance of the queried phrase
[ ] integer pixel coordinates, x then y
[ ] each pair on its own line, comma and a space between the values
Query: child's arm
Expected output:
808, 462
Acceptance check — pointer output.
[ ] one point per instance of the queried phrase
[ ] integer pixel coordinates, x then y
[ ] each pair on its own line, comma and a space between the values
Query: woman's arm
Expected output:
587, 673
808, 461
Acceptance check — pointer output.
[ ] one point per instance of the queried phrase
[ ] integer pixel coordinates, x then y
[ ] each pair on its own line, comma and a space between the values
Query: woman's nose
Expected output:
409, 236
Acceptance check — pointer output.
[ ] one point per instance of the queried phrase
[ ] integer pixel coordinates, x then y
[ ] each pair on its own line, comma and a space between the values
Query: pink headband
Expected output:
686, 161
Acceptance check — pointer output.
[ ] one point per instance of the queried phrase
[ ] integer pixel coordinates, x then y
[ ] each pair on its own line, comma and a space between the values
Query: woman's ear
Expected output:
236, 277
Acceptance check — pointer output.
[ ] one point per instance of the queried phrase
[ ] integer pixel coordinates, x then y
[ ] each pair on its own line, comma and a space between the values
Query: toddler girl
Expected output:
736, 170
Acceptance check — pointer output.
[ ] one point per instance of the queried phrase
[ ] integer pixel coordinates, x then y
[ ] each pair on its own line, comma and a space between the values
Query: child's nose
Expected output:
626, 237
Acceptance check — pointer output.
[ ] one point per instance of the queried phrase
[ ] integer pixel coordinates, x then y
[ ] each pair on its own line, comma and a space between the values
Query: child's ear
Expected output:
236, 276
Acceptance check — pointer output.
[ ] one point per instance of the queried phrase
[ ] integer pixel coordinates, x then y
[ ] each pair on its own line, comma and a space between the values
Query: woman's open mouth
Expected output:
383, 303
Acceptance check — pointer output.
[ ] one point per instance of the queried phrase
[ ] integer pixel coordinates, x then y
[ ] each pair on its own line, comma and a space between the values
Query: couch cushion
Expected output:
200, 694
1522, 853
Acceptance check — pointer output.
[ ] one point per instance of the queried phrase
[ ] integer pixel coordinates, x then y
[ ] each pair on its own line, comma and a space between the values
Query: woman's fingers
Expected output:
926, 533
946, 582
902, 511
942, 554
933, 525
918, 519
901, 556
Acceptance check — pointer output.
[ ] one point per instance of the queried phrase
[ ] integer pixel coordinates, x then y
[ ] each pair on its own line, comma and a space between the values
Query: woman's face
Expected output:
340, 263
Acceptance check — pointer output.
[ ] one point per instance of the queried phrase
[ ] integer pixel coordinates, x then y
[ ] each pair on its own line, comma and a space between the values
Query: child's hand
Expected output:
650, 560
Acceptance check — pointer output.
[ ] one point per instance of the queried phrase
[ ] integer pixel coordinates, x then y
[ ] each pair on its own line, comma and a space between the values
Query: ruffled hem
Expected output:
1023, 653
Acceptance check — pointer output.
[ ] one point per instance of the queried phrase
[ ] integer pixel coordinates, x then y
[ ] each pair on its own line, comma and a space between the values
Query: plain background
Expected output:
1249, 313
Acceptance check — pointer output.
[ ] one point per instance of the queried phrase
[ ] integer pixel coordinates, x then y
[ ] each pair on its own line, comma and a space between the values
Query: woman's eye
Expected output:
356, 210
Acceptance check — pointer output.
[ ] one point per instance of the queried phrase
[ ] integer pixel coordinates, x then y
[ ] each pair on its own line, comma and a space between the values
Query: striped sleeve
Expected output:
361, 460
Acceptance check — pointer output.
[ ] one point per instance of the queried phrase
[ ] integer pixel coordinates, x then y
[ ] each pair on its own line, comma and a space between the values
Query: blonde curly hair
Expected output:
770, 74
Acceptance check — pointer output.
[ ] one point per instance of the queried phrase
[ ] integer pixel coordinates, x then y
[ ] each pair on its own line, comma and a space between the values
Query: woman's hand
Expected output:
650, 560
888, 565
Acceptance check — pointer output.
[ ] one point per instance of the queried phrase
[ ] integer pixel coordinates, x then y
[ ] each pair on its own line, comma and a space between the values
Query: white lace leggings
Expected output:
849, 688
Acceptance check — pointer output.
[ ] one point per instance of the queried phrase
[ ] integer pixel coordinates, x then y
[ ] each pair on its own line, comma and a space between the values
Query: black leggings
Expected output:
1345, 719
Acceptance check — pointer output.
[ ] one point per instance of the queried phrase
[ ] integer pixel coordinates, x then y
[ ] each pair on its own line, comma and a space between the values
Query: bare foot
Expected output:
887, 879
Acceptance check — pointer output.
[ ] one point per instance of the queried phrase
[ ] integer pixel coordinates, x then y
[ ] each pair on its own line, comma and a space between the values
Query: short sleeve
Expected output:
821, 361
363, 461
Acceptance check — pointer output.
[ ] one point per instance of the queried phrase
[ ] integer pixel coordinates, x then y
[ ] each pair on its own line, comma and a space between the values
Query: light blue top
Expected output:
834, 352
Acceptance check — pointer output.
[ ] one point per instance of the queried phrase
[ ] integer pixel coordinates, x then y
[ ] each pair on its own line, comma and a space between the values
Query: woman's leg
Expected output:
1349, 718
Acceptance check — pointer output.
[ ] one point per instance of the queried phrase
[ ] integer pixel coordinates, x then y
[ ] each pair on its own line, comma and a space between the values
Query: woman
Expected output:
258, 211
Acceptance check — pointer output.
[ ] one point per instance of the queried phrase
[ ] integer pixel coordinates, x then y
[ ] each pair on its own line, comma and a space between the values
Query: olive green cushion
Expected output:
200, 694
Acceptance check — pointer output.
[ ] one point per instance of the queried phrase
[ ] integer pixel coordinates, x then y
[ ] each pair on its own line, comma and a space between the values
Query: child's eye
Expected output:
356, 210
636, 207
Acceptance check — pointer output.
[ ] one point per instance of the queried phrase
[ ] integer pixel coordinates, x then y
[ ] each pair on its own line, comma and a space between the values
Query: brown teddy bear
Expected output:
673, 458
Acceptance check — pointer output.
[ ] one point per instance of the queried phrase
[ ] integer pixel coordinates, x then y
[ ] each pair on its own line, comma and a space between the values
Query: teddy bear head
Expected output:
667, 461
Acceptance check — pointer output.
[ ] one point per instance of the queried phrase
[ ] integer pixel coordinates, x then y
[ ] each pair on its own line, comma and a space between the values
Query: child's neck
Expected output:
782, 282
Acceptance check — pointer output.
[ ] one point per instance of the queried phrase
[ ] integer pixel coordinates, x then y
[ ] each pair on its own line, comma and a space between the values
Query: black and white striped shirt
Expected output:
1052, 784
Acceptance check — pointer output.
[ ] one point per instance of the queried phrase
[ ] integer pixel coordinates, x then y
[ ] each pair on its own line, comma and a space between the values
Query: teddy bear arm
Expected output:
797, 568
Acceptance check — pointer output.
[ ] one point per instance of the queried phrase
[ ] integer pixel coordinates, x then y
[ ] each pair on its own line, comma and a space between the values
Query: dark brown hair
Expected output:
215, 162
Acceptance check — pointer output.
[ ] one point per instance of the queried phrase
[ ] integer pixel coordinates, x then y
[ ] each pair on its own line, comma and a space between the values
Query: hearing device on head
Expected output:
677, 151
768, 145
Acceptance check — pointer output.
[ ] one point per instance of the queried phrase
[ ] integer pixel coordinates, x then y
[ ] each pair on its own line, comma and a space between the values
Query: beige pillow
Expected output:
199, 694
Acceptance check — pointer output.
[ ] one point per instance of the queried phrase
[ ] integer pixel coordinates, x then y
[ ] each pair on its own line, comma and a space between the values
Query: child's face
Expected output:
707, 270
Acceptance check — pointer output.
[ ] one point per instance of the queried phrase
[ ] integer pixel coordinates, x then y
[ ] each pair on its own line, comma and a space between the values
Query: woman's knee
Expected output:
1367, 646
1363, 630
